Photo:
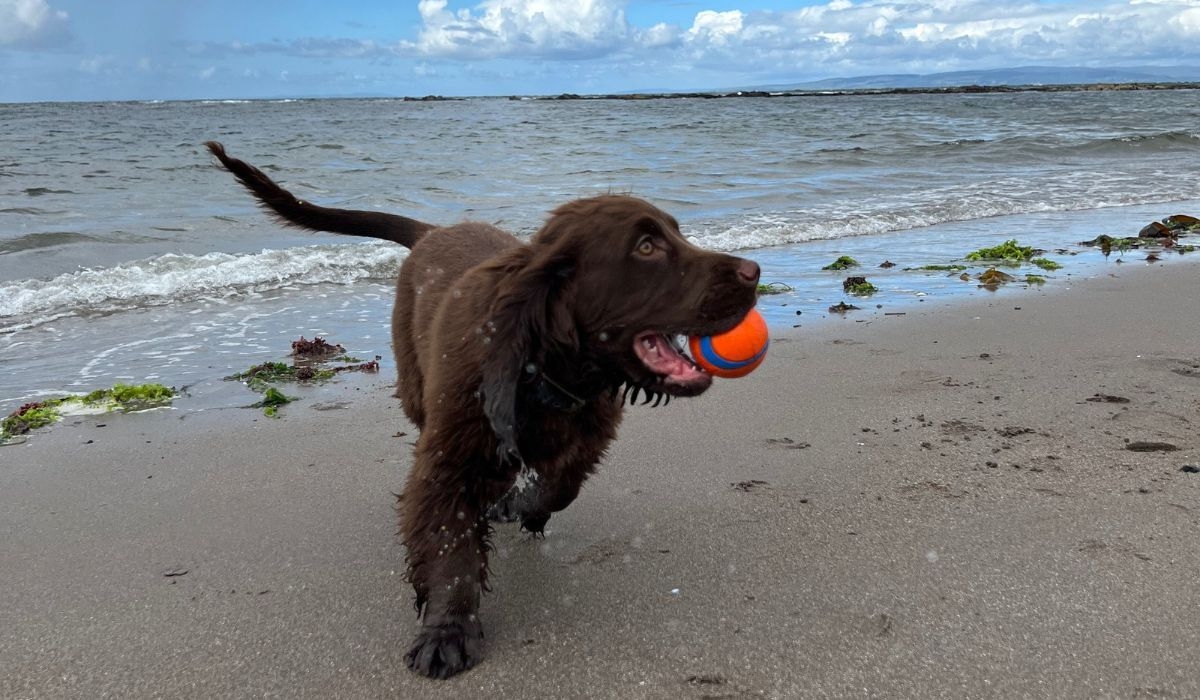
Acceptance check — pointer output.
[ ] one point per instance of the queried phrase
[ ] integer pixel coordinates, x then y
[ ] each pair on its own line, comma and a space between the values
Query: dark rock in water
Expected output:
851, 282
1190, 469
887, 264
1155, 230
842, 307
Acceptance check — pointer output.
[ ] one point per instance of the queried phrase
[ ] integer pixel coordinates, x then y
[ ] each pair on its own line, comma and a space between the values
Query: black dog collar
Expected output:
551, 394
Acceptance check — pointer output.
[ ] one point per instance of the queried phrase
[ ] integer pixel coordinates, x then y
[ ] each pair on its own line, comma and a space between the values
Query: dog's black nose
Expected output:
748, 271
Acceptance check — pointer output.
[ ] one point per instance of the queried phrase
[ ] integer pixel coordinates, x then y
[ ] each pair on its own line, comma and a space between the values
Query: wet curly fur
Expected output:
516, 356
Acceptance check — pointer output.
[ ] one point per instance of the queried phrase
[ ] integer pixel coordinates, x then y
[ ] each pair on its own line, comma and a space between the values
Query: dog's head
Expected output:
602, 295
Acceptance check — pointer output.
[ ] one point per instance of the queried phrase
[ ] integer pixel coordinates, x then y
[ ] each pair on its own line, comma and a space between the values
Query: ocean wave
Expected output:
770, 229
1164, 142
45, 239
173, 278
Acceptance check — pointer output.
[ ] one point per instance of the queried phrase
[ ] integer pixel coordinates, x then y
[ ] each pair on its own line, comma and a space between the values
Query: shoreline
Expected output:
263, 325
948, 503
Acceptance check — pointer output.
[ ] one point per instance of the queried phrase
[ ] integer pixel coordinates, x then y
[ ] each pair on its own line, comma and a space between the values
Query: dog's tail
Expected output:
296, 212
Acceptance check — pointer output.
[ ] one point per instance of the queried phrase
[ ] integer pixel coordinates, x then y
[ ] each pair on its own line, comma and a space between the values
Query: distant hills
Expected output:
1022, 76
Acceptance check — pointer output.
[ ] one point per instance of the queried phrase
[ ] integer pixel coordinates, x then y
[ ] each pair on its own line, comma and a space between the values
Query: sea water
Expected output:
126, 255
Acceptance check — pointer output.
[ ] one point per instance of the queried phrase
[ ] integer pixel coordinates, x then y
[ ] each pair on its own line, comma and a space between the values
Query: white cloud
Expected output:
527, 28
1188, 21
716, 27
32, 24
661, 34
864, 34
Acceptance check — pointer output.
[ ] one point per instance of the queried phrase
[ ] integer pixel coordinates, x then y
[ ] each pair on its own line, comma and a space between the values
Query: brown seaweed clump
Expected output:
316, 349
993, 278
1165, 233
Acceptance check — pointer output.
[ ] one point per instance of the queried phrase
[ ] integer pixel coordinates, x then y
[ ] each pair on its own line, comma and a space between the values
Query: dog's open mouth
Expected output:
665, 357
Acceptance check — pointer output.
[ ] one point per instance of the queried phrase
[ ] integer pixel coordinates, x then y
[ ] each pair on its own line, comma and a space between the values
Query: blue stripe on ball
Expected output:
711, 357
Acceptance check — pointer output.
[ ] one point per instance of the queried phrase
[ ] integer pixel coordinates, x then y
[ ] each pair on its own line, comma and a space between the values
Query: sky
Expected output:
237, 49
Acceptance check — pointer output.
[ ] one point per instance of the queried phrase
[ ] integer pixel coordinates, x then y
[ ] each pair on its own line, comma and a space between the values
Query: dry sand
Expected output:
918, 506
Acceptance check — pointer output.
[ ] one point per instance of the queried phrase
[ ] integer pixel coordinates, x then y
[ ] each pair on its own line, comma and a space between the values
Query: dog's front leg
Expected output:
446, 538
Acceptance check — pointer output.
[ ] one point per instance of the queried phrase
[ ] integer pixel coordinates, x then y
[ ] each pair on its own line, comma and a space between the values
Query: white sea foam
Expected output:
174, 278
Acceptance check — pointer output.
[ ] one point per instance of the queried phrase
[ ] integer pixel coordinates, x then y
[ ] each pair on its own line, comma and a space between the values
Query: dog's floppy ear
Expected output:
530, 320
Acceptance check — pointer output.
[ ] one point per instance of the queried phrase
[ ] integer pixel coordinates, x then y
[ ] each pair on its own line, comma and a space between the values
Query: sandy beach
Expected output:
986, 498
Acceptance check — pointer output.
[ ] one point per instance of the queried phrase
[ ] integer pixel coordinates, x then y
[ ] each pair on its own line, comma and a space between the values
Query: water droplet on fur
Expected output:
674, 591
462, 515
603, 336
931, 556
456, 294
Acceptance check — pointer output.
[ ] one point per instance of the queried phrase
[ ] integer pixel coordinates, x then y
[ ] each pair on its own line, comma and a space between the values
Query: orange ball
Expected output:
736, 352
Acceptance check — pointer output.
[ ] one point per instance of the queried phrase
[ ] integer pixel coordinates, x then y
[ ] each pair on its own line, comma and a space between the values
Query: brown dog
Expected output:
519, 356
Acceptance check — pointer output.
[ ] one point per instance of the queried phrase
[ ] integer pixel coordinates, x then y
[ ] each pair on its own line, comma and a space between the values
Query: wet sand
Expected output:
938, 504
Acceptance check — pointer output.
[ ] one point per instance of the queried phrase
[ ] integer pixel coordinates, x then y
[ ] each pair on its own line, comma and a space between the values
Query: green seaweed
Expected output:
1107, 243
29, 417
773, 288
1046, 264
862, 289
260, 377
127, 397
939, 268
845, 262
1009, 251
272, 400
121, 397
1035, 279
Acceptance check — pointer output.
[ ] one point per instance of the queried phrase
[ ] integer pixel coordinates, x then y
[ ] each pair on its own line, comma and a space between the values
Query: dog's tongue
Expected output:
660, 356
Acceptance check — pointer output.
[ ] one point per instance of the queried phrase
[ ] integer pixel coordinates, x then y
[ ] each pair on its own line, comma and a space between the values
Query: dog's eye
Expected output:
645, 246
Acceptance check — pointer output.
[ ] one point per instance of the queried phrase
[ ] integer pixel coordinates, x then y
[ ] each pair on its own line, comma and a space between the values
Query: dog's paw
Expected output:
535, 524
505, 509
442, 651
